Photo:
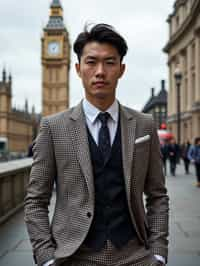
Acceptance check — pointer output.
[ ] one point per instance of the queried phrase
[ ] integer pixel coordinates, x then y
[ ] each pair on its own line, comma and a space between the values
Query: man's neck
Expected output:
101, 104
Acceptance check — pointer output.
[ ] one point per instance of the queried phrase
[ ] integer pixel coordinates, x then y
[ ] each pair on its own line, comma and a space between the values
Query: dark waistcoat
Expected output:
111, 217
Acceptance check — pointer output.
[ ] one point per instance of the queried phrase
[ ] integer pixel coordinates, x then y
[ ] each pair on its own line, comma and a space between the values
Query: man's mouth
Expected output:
99, 83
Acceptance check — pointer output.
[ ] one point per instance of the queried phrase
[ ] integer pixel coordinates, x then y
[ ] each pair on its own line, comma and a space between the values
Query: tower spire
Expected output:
56, 3
56, 16
10, 78
4, 75
26, 106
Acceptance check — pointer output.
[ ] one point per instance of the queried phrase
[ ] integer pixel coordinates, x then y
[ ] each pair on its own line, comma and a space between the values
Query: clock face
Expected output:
53, 48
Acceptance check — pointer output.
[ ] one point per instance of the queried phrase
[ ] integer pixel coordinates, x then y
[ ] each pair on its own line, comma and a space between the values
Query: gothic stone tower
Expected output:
5, 103
55, 62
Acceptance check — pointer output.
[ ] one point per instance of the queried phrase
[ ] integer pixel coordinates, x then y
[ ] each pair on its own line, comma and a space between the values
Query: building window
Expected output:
51, 74
57, 74
193, 54
177, 21
193, 87
186, 93
188, 6
57, 94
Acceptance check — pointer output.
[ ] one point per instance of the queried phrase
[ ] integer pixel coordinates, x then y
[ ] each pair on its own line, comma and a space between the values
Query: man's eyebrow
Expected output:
111, 58
90, 57
96, 57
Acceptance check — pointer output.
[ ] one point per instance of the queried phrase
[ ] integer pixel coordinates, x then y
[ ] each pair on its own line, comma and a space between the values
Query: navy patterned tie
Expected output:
104, 135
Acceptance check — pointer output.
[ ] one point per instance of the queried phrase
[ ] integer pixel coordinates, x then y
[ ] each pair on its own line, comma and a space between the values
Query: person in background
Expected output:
30, 150
194, 157
184, 154
173, 153
164, 152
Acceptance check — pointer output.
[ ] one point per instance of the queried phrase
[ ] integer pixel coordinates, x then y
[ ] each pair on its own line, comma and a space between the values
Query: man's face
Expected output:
100, 68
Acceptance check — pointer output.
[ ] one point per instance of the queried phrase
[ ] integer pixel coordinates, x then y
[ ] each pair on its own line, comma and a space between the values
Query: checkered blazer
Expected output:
61, 153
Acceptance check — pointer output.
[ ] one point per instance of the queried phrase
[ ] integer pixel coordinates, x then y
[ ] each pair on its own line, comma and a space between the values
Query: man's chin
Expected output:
101, 95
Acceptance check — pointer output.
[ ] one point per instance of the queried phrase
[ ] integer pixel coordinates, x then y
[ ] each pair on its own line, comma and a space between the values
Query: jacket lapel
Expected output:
80, 140
128, 127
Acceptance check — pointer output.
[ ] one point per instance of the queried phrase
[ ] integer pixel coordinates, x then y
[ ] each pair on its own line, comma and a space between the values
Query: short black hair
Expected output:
101, 33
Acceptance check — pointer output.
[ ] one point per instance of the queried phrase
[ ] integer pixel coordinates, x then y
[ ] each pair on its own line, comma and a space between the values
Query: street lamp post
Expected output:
178, 78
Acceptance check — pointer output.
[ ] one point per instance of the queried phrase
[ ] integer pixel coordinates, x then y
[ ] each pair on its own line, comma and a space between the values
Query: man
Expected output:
104, 157
174, 155
194, 157
164, 153
184, 154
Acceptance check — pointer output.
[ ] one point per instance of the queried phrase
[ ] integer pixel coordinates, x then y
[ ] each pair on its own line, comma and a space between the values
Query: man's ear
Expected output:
77, 66
122, 70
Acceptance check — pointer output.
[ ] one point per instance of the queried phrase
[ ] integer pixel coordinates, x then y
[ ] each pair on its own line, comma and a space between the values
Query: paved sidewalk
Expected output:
184, 248
15, 249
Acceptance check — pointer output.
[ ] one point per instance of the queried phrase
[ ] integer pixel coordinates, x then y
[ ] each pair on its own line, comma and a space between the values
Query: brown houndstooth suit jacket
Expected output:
61, 152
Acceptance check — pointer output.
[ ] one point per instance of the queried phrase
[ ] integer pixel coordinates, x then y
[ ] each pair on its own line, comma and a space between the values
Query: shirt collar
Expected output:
92, 112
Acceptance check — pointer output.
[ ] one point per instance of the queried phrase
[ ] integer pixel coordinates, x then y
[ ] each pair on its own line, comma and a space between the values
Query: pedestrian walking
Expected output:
194, 156
30, 150
174, 153
104, 156
184, 155
165, 155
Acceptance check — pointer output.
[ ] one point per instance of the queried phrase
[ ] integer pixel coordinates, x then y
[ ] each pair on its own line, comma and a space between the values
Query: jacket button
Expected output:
89, 215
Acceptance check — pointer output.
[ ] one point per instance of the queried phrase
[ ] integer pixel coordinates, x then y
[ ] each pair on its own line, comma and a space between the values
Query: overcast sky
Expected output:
142, 23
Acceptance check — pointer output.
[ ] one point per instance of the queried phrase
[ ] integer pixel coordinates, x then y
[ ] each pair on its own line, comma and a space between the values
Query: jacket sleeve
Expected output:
38, 196
157, 201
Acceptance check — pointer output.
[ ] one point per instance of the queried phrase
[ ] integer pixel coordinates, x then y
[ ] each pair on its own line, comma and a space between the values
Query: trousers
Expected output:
132, 254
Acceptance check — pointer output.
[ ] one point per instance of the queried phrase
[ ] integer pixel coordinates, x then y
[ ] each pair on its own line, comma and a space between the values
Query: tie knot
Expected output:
103, 117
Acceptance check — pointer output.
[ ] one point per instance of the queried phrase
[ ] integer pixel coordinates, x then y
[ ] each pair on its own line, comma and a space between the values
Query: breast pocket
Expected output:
142, 146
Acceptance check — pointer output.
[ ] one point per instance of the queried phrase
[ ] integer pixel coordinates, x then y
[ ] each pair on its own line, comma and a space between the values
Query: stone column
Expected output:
189, 75
169, 107
173, 91
197, 68
182, 88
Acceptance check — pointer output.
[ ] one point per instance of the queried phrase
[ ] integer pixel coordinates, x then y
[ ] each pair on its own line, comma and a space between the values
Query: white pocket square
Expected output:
142, 139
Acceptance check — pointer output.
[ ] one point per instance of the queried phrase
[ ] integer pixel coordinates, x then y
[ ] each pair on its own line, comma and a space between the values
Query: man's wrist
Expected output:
160, 260
49, 263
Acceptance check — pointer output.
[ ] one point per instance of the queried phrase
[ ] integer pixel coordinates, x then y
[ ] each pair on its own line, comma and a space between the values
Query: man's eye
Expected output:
90, 62
110, 62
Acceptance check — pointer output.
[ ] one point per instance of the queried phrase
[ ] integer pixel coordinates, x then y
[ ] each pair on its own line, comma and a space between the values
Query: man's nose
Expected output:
100, 70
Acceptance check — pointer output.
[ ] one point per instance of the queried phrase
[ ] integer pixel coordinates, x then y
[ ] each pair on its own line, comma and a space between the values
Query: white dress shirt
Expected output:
91, 112
94, 124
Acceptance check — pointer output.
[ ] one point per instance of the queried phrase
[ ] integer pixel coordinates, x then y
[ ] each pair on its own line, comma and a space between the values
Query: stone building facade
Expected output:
55, 62
183, 49
16, 126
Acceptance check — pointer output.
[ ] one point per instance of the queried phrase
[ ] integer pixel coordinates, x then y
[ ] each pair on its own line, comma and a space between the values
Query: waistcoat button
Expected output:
89, 214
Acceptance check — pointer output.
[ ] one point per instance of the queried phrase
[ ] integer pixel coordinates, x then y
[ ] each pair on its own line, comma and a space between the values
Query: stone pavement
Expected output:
15, 249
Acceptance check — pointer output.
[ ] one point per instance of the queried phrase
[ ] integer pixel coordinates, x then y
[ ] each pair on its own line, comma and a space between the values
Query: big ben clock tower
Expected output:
55, 62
